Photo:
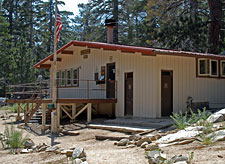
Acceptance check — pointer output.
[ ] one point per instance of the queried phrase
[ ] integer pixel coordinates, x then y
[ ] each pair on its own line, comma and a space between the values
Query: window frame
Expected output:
67, 79
221, 68
199, 69
210, 67
63, 79
77, 79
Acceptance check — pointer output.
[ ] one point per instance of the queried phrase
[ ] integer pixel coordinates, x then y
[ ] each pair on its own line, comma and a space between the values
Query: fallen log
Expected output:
70, 133
113, 138
152, 130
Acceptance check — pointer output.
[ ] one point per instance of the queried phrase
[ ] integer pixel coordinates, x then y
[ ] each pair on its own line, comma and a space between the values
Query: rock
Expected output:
151, 146
28, 144
115, 143
179, 136
73, 147
69, 153
2, 116
51, 149
153, 154
144, 139
135, 137
78, 153
77, 161
217, 117
214, 118
179, 158
217, 136
131, 143
42, 147
195, 128
143, 145
83, 159
153, 137
123, 142
85, 162
26, 151
130, 146
181, 162
63, 152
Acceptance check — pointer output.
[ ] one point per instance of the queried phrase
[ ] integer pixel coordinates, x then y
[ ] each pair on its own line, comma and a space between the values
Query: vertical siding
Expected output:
147, 79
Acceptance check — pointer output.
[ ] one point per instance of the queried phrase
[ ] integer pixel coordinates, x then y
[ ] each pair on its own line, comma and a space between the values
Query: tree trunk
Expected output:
215, 7
31, 24
115, 15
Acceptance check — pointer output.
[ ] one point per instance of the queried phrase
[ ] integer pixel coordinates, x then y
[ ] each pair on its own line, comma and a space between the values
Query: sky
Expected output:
71, 5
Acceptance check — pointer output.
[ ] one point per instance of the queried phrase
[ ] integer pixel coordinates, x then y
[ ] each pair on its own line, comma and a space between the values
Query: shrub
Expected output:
14, 138
180, 120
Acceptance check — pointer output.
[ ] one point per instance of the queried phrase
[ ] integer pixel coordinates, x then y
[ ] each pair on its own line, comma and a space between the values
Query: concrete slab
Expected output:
148, 123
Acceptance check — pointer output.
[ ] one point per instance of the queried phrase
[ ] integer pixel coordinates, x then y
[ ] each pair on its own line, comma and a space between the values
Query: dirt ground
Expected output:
105, 152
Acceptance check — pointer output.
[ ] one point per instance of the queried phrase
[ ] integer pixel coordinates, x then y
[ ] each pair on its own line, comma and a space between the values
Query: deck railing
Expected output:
66, 89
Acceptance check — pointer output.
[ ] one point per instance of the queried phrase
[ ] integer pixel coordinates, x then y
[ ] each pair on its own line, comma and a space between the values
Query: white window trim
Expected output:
199, 67
221, 68
210, 67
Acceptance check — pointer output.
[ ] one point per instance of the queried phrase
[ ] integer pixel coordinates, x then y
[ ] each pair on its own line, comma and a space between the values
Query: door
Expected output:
166, 93
110, 82
129, 94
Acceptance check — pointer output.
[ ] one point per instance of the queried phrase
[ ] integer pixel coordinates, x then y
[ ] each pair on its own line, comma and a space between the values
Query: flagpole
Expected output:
54, 124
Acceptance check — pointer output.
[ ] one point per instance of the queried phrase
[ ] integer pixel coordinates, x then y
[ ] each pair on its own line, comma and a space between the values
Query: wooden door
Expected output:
129, 94
110, 82
166, 93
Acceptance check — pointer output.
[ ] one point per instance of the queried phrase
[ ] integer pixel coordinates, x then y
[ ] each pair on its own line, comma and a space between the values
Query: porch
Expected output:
70, 103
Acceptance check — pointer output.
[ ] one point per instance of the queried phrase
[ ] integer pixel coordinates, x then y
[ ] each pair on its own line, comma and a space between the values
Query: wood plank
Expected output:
45, 66
64, 110
96, 101
32, 113
112, 138
58, 59
67, 52
85, 107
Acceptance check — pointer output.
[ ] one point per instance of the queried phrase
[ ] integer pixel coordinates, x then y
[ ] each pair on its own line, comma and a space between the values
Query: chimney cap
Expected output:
110, 22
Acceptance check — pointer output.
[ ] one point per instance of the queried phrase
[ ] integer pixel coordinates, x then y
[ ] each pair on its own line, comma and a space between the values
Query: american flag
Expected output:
58, 24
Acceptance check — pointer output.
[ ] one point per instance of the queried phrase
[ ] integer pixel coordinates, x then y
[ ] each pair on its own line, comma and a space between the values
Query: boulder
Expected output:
144, 139
179, 158
217, 117
143, 145
135, 137
69, 153
151, 146
153, 137
78, 153
51, 149
28, 144
179, 136
26, 151
85, 162
217, 136
123, 142
77, 161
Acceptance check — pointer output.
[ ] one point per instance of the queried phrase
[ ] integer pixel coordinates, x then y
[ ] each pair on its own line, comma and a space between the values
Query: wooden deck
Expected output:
96, 101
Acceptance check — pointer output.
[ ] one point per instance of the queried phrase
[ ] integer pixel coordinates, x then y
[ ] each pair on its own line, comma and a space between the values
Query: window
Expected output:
223, 68
203, 67
208, 67
75, 77
63, 78
214, 68
68, 77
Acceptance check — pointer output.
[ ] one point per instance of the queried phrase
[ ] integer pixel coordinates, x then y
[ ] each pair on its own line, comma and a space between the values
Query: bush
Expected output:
14, 138
180, 120
13, 108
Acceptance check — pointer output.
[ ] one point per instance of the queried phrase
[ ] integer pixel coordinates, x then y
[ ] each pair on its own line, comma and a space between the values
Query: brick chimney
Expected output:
110, 24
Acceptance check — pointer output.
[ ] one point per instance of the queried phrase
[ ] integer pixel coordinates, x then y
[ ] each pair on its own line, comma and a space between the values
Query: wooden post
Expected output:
58, 110
44, 106
74, 108
18, 117
54, 128
89, 113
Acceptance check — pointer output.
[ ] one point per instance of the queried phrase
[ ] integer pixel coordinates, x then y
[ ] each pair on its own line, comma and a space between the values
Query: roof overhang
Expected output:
123, 48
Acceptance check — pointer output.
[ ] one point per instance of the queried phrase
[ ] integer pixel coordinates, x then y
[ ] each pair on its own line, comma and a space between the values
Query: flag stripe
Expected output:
58, 24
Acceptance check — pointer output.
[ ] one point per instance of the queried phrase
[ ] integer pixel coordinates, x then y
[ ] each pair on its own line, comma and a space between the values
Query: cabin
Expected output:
132, 81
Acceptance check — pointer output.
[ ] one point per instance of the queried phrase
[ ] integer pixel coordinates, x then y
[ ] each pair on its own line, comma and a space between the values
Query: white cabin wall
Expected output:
147, 79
